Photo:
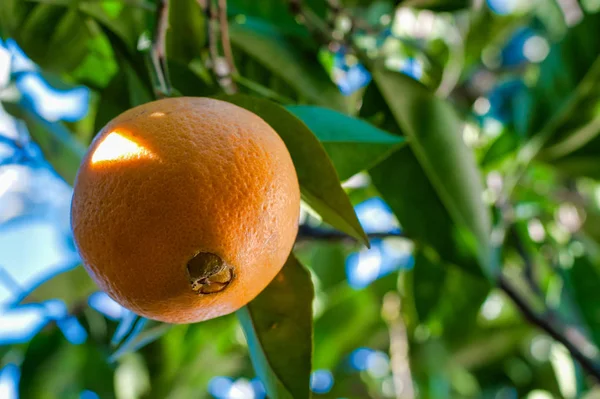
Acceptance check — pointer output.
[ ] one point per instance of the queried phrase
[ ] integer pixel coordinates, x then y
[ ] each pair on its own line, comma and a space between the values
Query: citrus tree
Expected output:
444, 171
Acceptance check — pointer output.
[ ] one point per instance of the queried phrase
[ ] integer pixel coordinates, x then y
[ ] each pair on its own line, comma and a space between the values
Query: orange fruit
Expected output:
184, 209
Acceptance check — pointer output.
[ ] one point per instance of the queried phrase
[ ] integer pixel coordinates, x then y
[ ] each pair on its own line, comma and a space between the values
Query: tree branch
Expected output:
158, 52
399, 356
222, 67
225, 41
576, 344
307, 233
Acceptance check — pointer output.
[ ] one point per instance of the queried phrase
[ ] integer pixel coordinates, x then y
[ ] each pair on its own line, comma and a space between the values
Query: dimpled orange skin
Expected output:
212, 177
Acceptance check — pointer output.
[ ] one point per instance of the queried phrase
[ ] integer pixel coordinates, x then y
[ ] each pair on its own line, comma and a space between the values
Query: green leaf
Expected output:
403, 184
352, 144
276, 12
562, 105
186, 21
319, 182
346, 324
584, 277
114, 99
49, 355
72, 287
188, 83
58, 145
278, 327
500, 148
429, 277
272, 49
12, 14
99, 65
567, 76
434, 132
128, 25
50, 30
455, 317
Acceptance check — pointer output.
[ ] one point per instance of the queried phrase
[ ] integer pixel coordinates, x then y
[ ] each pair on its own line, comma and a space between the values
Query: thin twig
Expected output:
213, 26
575, 344
306, 233
225, 40
222, 67
401, 374
158, 51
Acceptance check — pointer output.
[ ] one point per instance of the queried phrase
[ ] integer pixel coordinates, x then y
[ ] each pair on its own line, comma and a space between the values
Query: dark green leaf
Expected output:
275, 12
562, 105
267, 45
188, 83
54, 368
186, 22
435, 135
12, 14
403, 184
567, 76
128, 24
278, 327
352, 144
585, 280
50, 30
319, 182
461, 298
138, 89
72, 287
429, 277
114, 99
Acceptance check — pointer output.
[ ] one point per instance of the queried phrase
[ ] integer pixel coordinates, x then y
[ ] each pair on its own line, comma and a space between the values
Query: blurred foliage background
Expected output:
477, 188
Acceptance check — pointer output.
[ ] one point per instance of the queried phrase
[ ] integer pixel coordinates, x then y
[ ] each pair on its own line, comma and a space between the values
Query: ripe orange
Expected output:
185, 209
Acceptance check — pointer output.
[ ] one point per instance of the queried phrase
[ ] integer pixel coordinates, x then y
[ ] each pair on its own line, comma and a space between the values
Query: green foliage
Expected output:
434, 131
271, 325
425, 150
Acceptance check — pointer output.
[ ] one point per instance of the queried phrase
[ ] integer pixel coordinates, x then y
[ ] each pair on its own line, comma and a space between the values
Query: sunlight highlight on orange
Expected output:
157, 114
116, 147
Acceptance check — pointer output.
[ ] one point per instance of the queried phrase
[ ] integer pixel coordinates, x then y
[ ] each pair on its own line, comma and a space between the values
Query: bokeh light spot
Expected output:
321, 381
219, 386
358, 358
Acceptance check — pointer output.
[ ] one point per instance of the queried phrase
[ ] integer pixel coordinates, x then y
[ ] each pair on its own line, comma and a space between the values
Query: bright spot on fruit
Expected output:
116, 147
157, 114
